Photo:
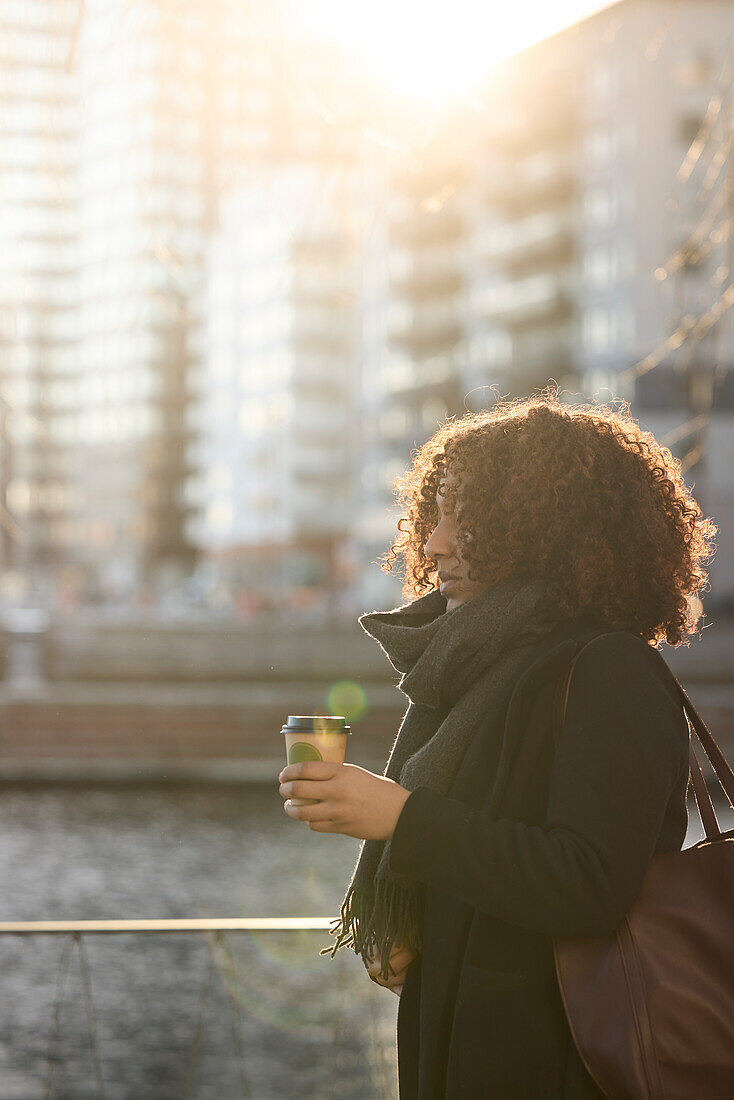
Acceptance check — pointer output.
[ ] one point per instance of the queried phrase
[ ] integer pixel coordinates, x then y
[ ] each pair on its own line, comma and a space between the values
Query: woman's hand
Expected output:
352, 800
400, 960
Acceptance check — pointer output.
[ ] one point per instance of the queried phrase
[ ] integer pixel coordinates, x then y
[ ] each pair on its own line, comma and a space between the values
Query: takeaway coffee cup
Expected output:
315, 737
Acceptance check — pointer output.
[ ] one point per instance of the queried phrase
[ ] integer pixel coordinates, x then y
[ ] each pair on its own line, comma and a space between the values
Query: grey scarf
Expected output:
457, 669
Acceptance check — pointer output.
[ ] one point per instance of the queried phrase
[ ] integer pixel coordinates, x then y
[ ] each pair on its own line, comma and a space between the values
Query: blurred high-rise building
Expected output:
238, 286
277, 434
575, 245
174, 100
413, 336
592, 218
124, 127
38, 286
276, 415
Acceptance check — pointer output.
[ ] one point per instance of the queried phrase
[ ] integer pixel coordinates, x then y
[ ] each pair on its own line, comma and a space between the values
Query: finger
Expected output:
320, 811
309, 769
301, 813
305, 788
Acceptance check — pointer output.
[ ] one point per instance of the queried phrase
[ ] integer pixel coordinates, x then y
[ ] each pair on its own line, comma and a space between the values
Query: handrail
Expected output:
75, 931
186, 924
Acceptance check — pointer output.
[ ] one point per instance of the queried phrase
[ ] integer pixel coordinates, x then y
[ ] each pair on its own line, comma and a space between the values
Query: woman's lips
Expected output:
446, 585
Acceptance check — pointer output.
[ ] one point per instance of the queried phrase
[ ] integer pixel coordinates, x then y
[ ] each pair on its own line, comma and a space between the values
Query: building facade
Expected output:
38, 284
575, 247
239, 285
276, 407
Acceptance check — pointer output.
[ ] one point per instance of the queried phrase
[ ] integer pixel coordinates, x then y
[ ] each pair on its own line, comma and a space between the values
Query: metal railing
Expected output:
186, 924
77, 930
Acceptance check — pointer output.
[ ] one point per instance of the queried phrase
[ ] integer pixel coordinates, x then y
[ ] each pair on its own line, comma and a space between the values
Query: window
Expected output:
600, 147
604, 81
601, 268
219, 515
389, 471
434, 411
599, 329
607, 327
600, 205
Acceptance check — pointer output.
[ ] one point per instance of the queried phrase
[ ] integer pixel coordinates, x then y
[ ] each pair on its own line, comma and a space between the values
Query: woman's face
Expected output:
442, 548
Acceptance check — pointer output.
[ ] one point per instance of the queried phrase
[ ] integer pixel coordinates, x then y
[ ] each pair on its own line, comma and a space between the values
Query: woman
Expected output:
534, 527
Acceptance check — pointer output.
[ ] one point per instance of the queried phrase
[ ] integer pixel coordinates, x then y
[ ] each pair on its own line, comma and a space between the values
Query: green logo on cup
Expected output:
302, 750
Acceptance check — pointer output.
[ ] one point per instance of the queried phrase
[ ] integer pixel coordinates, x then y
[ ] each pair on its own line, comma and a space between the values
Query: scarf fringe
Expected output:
357, 927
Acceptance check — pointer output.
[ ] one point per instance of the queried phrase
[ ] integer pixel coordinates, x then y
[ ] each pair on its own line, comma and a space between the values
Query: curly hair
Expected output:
578, 495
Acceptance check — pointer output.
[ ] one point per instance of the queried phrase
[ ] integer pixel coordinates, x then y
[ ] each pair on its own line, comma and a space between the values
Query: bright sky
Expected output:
438, 51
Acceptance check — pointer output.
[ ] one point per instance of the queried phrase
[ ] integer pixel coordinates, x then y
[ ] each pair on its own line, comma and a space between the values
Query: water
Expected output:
278, 1019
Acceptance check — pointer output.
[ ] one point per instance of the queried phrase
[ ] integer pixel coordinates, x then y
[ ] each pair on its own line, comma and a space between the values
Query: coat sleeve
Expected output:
622, 750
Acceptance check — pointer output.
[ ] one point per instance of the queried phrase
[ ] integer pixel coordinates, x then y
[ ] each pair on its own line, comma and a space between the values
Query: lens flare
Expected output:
272, 976
348, 698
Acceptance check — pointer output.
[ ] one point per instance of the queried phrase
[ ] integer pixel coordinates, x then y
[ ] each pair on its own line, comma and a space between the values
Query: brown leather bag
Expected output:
651, 1007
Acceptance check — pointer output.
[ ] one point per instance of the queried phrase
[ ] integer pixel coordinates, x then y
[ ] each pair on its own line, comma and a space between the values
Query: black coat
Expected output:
527, 845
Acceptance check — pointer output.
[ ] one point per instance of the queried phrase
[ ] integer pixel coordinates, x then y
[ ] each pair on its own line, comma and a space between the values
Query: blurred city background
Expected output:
251, 255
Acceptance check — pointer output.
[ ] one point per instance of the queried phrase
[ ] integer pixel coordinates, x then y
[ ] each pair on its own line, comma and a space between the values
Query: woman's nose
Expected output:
437, 545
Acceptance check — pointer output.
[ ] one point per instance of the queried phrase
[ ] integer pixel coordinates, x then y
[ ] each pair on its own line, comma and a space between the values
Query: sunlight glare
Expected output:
434, 53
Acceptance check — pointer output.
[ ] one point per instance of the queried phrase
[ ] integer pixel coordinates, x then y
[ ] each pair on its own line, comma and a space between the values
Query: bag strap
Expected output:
722, 770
